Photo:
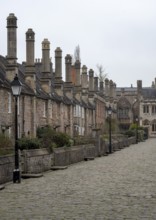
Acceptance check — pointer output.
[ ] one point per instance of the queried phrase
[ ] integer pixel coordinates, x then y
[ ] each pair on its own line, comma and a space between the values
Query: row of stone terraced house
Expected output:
77, 105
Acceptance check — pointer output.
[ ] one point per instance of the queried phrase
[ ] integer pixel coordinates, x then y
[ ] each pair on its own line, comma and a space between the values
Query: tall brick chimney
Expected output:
11, 46
91, 80
84, 77
46, 75
96, 81
77, 68
58, 64
58, 71
68, 62
102, 88
111, 93
84, 83
77, 88
68, 86
91, 86
30, 76
107, 88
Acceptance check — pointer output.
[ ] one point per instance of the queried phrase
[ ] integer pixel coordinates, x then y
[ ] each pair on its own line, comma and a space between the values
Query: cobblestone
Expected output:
121, 186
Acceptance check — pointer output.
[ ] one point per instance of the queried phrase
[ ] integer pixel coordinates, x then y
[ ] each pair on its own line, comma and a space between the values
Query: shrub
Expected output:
5, 141
27, 143
51, 138
62, 139
130, 133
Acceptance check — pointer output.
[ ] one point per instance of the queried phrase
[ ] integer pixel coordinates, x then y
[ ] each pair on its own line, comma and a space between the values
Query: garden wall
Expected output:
35, 161
67, 156
40, 160
6, 168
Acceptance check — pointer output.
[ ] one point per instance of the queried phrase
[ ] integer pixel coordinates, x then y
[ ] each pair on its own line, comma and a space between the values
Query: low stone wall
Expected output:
35, 161
6, 168
40, 160
66, 156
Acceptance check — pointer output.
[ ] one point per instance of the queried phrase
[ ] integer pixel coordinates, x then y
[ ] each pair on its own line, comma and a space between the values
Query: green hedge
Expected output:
27, 143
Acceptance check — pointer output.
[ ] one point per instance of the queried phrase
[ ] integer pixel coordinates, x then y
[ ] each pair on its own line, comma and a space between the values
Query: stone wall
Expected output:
6, 168
40, 160
66, 156
35, 161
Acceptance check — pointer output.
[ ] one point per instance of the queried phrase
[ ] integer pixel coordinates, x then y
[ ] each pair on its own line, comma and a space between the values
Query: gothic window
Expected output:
153, 109
146, 122
154, 126
123, 113
145, 109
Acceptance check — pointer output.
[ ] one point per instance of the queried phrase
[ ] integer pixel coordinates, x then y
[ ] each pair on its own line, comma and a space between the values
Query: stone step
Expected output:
89, 158
59, 167
31, 175
2, 187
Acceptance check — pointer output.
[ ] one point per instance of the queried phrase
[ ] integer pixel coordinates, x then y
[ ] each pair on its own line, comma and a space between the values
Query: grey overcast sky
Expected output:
118, 34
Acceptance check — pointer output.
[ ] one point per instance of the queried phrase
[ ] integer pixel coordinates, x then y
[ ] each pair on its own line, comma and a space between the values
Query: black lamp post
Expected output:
136, 130
110, 129
16, 90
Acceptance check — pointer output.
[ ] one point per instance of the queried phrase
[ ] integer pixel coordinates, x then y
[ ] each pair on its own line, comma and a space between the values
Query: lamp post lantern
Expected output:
136, 129
110, 129
16, 91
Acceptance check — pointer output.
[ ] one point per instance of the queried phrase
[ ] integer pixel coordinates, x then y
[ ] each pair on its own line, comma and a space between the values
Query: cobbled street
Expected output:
120, 186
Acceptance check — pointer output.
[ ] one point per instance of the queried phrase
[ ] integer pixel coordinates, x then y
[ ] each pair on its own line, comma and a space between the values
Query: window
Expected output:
44, 109
145, 109
153, 109
82, 112
50, 110
154, 127
74, 111
123, 113
9, 102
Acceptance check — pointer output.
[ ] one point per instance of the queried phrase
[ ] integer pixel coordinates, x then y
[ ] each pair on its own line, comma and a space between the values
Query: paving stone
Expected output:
121, 186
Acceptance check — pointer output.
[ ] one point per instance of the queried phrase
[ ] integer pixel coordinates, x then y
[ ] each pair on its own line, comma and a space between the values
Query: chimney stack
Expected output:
58, 64
30, 66
68, 62
58, 71
84, 77
77, 69
46, 76
11, 47
91, 80
96, 81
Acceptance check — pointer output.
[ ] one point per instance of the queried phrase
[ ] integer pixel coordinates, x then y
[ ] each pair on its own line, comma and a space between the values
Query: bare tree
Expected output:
101, 73
77, 53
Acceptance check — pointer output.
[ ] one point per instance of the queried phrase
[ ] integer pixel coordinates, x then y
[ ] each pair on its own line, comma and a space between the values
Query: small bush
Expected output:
62, 139
5, 142
130, 133
51, 138
27, 143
